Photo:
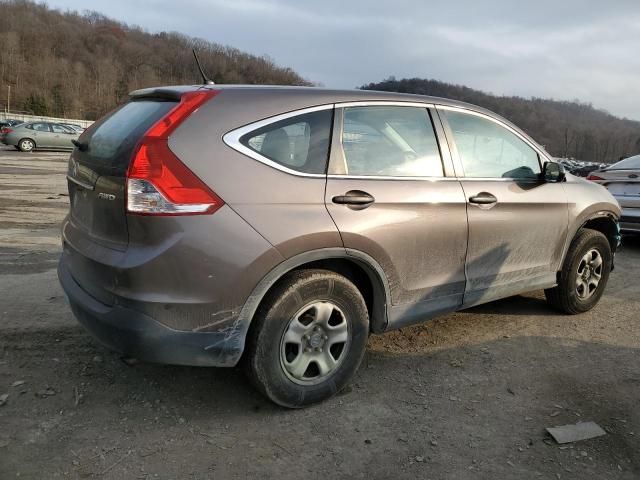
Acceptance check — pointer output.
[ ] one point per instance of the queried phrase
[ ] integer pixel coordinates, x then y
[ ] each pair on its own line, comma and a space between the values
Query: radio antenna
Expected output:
205, 80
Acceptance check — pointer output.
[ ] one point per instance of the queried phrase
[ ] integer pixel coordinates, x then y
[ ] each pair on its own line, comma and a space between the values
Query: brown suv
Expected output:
278, 227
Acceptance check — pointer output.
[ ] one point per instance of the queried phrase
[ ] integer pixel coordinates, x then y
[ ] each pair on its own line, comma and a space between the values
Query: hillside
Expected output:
567, 129
81, 66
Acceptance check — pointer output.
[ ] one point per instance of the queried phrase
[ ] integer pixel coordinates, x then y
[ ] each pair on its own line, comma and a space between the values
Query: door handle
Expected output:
354, 197
483, 198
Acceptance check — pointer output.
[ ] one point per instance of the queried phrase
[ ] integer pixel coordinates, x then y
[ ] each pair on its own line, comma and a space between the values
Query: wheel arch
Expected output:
603, 221
607, 224
357, 266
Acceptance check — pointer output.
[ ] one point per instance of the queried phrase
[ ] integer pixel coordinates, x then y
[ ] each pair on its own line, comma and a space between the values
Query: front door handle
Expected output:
354, 197
483, 198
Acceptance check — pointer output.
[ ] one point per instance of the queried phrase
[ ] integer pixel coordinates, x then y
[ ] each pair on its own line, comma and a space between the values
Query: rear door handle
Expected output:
354, 197
483, 198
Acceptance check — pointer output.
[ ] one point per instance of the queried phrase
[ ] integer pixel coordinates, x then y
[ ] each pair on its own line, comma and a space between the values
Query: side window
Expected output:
58, 129
300, 143
391, 141
40, 127
488, 150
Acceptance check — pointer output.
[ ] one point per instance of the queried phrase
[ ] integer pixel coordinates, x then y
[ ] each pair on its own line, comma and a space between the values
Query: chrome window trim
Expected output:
391, 177
499, 179
542, 154
232, 139
383, 103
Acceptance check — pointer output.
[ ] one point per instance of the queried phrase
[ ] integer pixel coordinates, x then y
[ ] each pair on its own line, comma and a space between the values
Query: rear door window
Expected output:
299, 143
393, 141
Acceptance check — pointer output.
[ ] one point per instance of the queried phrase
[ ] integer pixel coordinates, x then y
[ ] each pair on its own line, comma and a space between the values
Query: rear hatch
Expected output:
98, 168
122, 171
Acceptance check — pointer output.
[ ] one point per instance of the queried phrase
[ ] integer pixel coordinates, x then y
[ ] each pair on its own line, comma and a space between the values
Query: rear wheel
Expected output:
584, 274
26, 145
308, 338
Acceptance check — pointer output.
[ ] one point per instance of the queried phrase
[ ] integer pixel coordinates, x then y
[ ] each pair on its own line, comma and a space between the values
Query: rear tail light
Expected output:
594, 177
158, 183
6, 130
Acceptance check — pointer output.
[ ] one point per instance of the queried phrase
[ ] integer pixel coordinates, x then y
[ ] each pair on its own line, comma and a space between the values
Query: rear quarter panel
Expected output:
287, 210
189, 273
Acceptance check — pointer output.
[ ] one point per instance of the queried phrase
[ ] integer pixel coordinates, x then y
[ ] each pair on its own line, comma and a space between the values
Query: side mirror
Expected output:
553, 172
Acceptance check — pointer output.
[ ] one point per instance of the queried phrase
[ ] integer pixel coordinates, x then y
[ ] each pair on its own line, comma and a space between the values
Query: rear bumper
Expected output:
137, 335
630, 220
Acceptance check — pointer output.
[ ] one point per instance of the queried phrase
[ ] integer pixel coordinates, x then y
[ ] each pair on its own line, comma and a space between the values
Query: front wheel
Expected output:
308, 338
584, 274
26, 145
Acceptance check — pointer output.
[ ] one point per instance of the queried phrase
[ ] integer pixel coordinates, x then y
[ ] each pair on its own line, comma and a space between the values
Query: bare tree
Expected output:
89, 62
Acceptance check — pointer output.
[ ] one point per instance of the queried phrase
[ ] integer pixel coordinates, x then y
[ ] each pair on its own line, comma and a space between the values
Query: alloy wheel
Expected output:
589, 274
26, 145
315, 343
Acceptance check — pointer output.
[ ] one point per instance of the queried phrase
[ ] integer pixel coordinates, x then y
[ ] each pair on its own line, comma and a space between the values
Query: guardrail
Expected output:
31, 118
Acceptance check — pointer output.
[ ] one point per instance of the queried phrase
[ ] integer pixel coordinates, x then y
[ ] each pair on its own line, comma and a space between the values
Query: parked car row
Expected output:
29, 136
578, 167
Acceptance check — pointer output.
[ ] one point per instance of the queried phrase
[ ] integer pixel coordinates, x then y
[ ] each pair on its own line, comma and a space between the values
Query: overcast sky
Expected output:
563, 49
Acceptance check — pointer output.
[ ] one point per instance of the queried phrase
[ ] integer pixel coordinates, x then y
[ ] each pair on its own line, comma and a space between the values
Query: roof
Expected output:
320, 94
295, 97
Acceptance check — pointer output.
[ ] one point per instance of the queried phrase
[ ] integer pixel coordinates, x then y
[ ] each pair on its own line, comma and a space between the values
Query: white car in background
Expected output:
622, 179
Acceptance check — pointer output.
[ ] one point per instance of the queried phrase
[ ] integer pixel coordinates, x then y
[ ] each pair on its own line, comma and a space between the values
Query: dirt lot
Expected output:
465, 396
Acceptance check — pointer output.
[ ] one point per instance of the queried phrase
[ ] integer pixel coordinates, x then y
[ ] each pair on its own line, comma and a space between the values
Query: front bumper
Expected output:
137, 335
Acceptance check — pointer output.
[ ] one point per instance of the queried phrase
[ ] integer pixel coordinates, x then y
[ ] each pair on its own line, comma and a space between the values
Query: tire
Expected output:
26, 145
575, 292
325, 317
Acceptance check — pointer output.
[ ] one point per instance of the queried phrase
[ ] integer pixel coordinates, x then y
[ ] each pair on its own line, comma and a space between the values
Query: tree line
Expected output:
80, 65
569, 129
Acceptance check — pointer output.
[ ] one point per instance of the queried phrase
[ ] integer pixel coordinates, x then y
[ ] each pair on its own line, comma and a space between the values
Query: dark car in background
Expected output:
29, 136
6, 124
277, 227
9, 122
579, 168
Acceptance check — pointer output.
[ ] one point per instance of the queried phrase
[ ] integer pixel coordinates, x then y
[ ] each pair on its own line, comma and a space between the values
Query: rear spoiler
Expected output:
160, 93
164, 93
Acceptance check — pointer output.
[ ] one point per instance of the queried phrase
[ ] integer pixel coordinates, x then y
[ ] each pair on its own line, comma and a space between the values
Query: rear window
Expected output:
300, 143
631, 163
112, 139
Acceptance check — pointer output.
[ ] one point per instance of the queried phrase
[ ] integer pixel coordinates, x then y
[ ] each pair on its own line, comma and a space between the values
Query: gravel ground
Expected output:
465, 396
